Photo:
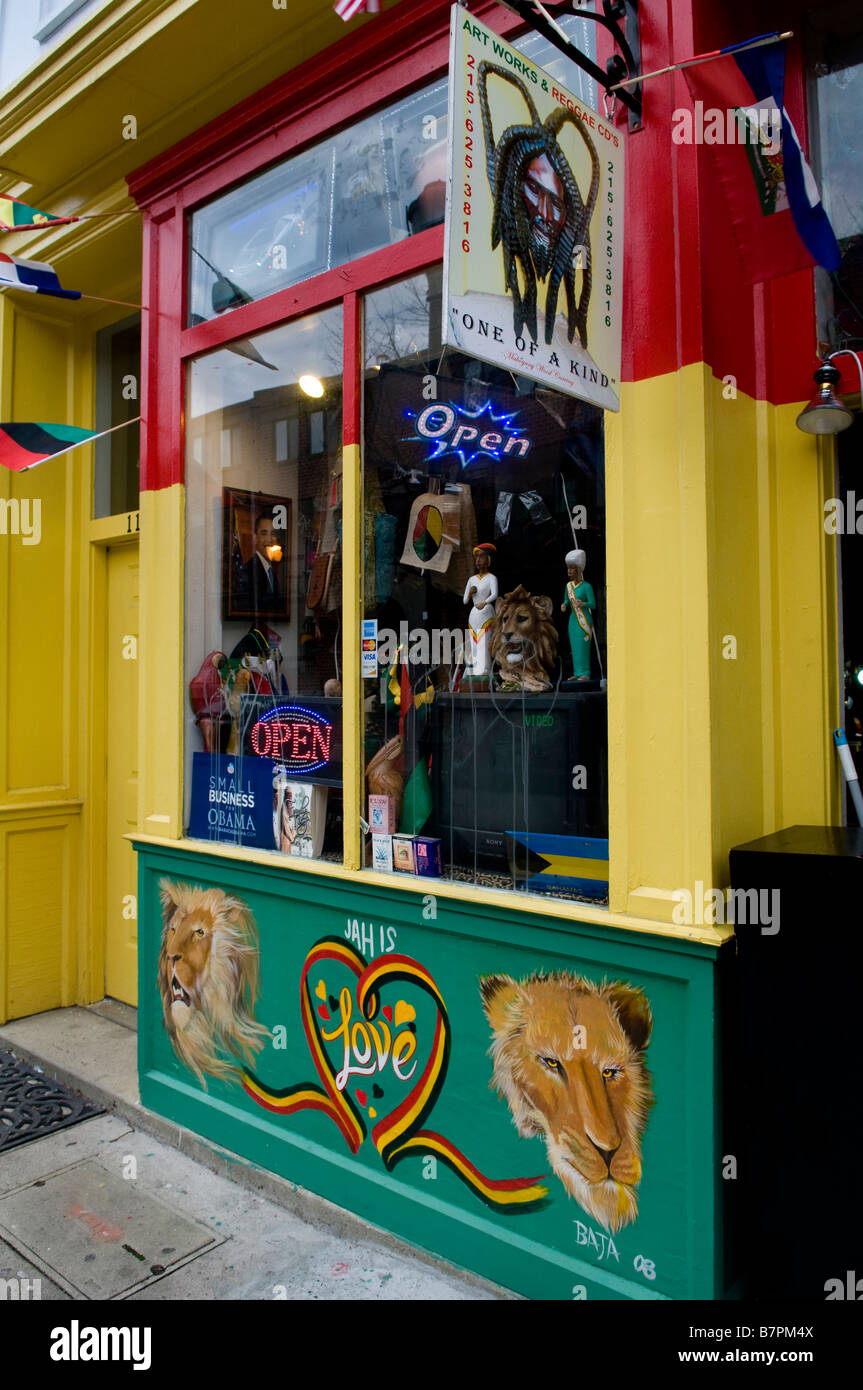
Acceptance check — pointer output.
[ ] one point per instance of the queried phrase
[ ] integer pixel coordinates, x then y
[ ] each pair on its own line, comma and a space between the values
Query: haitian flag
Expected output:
23, 446
34, 276
16, 216
776, 212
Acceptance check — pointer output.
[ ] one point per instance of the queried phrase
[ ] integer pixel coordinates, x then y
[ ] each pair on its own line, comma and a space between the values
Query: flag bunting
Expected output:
16, 216
24, 444
34, 276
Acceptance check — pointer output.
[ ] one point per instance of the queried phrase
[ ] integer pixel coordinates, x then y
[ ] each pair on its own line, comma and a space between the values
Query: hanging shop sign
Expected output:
534, 221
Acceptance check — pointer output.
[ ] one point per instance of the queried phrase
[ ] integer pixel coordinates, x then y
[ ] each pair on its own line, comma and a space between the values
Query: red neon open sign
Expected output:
297, 738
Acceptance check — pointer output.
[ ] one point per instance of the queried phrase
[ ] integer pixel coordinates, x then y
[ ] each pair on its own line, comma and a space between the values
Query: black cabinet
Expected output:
792, 1025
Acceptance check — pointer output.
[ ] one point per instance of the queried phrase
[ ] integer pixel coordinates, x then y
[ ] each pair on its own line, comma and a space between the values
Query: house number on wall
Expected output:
130, 517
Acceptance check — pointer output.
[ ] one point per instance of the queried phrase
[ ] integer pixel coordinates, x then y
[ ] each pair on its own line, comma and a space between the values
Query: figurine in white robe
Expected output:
481, 592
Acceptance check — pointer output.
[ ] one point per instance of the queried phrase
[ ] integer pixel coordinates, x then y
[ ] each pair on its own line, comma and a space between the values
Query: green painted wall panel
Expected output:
565, 1076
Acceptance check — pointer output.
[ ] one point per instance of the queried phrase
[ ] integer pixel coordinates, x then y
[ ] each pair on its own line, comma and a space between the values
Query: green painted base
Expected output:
373, 1086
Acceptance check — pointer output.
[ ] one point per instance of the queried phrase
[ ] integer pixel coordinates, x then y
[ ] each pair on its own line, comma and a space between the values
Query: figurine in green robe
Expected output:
580, 603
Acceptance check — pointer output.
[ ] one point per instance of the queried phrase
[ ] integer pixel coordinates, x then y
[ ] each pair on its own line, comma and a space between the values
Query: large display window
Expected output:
466, 737
263, 591
484, 542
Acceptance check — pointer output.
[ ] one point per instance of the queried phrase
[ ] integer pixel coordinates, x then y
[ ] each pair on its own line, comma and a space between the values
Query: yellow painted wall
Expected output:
45, 374
773, 584
161, 681
714, 529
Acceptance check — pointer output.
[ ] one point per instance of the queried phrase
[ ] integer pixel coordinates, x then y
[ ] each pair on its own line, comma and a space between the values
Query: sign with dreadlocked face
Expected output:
534, 221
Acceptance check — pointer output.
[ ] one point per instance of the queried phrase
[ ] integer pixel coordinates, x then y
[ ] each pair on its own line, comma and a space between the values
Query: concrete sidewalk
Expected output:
129, 1206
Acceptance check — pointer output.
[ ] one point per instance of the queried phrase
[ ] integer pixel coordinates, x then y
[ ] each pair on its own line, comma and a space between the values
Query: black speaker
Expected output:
791, 1035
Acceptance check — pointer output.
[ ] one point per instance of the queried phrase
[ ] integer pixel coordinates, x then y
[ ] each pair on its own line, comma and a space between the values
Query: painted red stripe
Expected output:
14, 457
498, 1184
353, 369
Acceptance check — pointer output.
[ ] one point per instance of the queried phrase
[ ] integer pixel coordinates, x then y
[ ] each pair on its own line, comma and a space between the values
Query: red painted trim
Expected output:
762, 335
390, 263
162, 371
352, 410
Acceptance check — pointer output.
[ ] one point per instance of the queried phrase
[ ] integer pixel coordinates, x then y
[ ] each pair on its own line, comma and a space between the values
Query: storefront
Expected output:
409, 880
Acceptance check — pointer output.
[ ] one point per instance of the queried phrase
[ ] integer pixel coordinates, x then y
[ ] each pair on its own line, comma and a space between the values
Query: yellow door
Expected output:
121, 773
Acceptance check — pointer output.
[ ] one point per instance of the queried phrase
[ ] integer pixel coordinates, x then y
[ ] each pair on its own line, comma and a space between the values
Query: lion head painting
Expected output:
569, 1060
208, 978
524, 641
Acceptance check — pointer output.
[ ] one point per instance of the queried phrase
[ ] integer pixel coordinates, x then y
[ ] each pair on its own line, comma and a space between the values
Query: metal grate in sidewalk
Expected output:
33, 1105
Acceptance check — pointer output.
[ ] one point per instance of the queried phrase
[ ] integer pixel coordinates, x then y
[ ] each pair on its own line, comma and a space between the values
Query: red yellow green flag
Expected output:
16, 216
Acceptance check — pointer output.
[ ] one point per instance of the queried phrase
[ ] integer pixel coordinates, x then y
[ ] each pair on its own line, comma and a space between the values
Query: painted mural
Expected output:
569, 1061
208, 979
382, 1041
568, 1055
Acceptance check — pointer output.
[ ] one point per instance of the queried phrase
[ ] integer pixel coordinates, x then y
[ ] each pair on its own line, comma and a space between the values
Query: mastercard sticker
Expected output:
369, 647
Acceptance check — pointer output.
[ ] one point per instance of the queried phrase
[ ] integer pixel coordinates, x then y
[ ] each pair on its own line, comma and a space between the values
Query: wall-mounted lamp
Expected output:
826, 413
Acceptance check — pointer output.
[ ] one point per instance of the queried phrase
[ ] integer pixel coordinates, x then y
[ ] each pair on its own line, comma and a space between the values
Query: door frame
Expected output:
106, 533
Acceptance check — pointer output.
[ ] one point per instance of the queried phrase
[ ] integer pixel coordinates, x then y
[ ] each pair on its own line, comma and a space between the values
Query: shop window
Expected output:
263, 591
117, 457
365, 188
485, 720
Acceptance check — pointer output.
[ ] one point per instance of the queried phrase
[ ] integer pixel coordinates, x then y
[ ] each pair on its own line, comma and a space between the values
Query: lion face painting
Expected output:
524, 640
208, 978
569, 1060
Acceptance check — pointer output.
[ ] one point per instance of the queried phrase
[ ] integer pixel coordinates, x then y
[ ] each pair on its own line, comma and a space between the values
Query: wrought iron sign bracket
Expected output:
621, 66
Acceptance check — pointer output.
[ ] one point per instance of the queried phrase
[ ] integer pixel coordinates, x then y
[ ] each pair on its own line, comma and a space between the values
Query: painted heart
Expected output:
321, 990
405, 1013
347, 1048
358, 1039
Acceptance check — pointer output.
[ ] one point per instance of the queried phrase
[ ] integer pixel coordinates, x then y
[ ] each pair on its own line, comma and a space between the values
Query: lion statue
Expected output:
208, 978
524, 641
569, 1060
